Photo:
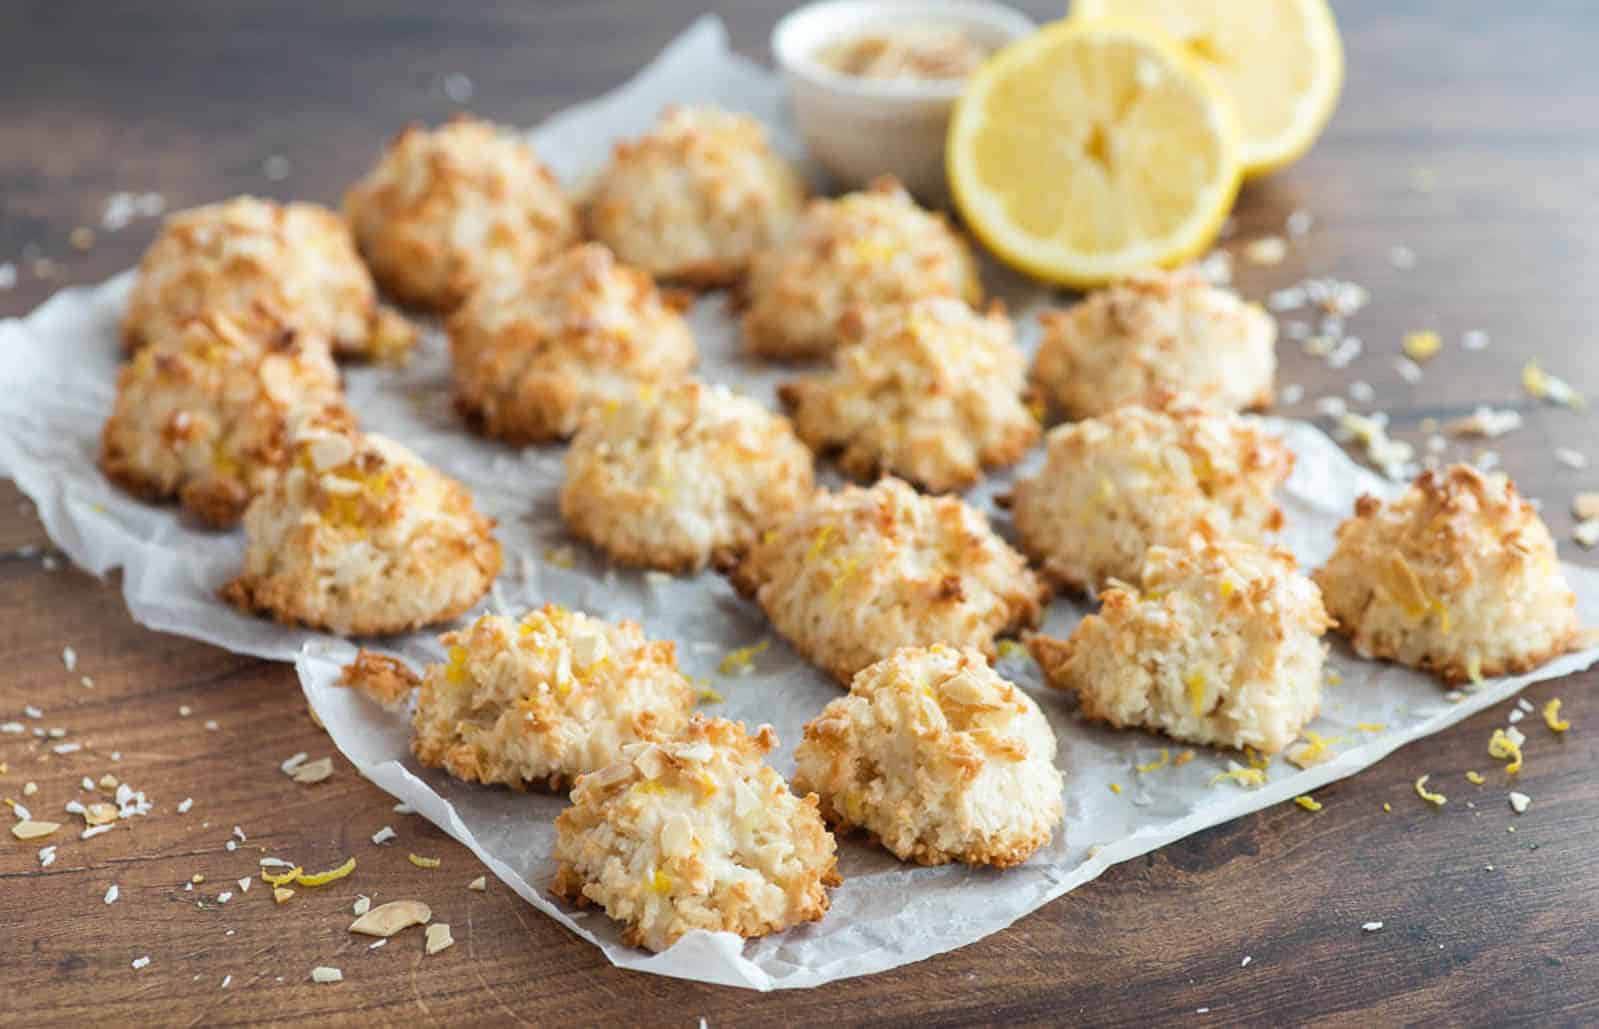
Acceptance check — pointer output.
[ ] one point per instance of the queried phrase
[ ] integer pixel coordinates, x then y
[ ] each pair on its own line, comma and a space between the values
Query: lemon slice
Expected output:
1091, 150
1280, 60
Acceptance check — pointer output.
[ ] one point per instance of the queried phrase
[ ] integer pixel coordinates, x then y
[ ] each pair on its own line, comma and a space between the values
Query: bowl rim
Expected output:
796, 58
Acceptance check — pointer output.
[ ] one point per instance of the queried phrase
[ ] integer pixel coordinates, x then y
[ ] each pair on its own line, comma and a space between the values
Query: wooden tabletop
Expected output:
1466, 134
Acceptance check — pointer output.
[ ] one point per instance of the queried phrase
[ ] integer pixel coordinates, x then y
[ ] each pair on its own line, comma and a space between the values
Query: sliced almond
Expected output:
1585, 506
387, 919
480, 884
281, 893
31, 830
439, 937
314, 771
100, 814
329, 450
677, 835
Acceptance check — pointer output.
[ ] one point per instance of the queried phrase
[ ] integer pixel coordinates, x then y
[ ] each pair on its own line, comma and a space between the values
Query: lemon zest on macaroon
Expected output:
1196, 691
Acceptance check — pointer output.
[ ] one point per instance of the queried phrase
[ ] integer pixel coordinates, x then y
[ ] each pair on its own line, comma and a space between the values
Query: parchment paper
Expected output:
57, 372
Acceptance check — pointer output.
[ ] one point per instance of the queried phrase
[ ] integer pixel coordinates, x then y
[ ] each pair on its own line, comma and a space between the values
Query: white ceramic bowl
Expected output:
859, 128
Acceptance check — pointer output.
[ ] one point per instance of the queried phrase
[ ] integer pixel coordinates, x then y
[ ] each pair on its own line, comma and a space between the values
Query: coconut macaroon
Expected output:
533, 351
695, 832
359, 537
447, 209
853, 576
268, 267
682, 476
1458, 576
1158, 330
938, 758
929, 391
545, 699
869, 248
207, 418
1114, 486
695, 199
1219, 643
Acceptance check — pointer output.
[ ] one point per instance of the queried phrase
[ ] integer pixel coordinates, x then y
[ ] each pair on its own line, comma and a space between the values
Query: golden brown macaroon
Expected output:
545, 699
929, 391
696, 198
447, 209
207, 419
870, 248
1458, 577
938, 758
1156, 331
268, 267
853, 576
1219, 643
682, 476
695, 832
1114, 486
360, 538
532, 352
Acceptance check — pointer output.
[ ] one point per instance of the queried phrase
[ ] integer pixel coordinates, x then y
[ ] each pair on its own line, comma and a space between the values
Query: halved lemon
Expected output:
1091, 150
1280, 60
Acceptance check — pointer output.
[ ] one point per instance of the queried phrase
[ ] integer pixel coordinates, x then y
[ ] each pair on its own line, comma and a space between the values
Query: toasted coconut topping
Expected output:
547, 698
682, 476
1458, 576
938, 758
533, 352
928, 390
446, 210
871, 248
854, 575
1139, 477
1218, 643
360, 537
1157, 331
696, 198
695, 832
270, 269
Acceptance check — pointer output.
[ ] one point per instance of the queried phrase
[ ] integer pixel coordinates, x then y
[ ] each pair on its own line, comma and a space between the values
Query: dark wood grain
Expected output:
1490, 103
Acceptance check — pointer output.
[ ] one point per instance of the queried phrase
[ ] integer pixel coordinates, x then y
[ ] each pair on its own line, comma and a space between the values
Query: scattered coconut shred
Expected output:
439, 938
